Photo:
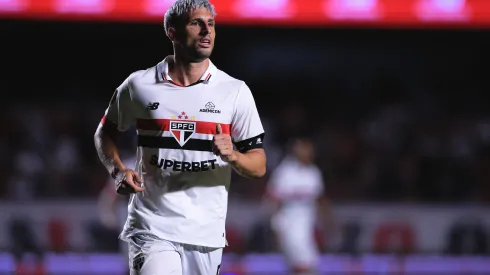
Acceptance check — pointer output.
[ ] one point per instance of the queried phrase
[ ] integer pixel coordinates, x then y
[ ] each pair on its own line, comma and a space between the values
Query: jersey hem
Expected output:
126, 238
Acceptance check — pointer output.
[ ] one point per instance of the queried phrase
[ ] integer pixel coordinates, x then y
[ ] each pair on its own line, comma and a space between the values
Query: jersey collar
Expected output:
163, 76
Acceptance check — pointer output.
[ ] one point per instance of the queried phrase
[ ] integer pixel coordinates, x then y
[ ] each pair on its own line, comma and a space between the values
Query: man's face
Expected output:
196, 36
304, 151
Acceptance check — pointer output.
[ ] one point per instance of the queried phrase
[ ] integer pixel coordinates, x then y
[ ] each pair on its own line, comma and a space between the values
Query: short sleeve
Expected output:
119, 111
246, 128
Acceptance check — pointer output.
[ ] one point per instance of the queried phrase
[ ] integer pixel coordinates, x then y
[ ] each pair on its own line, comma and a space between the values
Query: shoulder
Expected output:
142, 76
136, 79
237, 87
230, 81
285, 165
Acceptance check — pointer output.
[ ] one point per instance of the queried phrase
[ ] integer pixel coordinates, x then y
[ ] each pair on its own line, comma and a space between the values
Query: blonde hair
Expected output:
179, 9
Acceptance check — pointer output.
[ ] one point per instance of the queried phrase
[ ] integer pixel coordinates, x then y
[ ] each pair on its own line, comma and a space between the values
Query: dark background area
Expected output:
400, 119
321, 83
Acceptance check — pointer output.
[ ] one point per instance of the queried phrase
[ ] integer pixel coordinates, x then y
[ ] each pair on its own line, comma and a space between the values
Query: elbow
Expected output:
252, 166
97, 135
251, 174
261, 164
105, 132
259, 173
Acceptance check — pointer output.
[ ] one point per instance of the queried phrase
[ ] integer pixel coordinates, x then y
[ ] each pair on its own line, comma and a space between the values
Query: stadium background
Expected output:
395, 99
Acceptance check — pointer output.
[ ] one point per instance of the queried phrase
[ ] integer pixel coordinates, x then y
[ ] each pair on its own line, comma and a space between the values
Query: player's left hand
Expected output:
223, 146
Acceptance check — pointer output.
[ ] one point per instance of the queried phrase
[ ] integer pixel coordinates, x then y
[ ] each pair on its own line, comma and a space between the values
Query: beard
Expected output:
195, 54
198, 55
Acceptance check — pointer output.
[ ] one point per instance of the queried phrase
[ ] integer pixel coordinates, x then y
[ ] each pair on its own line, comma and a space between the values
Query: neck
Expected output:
186, 73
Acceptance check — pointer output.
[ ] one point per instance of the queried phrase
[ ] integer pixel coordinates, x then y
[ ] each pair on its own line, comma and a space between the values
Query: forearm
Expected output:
251, 164
107, 150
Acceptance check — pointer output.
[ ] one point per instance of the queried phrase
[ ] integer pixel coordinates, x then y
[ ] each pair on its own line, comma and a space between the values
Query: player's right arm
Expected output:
105, 143
118, 117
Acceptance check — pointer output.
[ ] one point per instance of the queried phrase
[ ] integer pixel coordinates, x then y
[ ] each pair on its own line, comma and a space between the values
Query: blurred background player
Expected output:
295, 193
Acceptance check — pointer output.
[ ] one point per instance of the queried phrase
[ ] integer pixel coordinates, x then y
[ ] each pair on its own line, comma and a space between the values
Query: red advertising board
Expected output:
389, 13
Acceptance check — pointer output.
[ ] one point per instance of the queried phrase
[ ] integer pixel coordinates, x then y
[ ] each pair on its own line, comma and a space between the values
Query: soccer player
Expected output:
295, 191
195, 124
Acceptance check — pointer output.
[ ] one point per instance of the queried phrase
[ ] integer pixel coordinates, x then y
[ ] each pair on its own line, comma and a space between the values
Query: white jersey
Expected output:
297, 187
186, 193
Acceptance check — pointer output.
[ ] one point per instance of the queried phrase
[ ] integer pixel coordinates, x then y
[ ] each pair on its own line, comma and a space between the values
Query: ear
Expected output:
171, 34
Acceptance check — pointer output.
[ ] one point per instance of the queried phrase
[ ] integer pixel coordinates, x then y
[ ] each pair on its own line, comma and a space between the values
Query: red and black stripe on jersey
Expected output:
163, 125
202, 127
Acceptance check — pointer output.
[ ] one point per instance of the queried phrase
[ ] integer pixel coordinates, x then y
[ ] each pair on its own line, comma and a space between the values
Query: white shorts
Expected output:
299, 252
160, 257
297, 242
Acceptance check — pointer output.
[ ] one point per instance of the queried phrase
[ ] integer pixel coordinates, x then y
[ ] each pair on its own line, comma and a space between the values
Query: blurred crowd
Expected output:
379, 148
395, 115
392, 151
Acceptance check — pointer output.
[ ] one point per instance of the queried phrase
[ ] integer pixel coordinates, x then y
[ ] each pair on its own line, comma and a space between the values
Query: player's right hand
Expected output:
128, 182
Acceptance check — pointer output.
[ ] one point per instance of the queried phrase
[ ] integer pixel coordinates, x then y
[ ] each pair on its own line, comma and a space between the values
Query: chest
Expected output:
202, 102
300, 182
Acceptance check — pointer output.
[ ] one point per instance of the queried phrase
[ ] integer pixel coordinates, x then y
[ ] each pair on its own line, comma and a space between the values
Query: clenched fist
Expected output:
223, 146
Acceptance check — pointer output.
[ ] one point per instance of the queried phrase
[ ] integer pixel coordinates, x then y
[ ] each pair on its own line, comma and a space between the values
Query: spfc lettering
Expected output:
182, 131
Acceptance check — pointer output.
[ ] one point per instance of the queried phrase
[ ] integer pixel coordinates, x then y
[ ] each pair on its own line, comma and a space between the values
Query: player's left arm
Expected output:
247, 134
250, 164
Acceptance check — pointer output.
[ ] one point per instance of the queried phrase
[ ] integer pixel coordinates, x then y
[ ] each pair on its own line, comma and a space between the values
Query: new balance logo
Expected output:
152, 106
258, 141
